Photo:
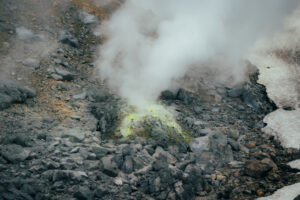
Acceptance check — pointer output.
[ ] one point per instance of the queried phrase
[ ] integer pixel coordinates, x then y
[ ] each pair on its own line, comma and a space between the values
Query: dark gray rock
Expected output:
84, 153
100, 151
141, 159
52, 165
168, 95
15, 153
41, 136
257, 169
127, 165
204, 132
199, 144
159, 164
235, 92
234, 144
5, 101
83, 193
185, 96
66, 75
68, 38
22, 140
162, 134
60, 175
197, 109
251, 100
19, 139
108, 166
13, 93
161, 154
107, 114
75, 134
219, 146
118, 159
96, 94
62, 87
297, 198
154, 185
100, 191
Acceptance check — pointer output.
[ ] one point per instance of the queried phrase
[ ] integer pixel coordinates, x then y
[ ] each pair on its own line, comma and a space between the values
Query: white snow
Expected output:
286, 193
279, 67
285, 125
295, 164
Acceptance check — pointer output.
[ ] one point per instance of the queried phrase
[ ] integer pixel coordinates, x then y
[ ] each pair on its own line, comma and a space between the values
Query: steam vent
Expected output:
149, 100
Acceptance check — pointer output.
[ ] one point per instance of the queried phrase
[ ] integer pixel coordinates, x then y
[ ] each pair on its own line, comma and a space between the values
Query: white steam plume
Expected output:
152, 42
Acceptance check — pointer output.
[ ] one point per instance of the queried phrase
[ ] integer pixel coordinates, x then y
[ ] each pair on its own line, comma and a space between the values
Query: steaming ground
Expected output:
149, 44
59, 123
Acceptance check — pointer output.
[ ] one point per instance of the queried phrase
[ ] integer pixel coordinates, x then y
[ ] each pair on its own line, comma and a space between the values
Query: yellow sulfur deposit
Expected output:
137, 117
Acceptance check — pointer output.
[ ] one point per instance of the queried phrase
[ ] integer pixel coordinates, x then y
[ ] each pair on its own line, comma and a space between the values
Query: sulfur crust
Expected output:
132, 119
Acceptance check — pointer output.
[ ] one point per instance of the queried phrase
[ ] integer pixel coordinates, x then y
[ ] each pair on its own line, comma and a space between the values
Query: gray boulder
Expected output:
199, 144
66, 75
32, 63
13, 93
15, 153
68, 38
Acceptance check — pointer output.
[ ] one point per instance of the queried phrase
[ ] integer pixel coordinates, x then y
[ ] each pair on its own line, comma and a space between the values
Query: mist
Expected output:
151, 44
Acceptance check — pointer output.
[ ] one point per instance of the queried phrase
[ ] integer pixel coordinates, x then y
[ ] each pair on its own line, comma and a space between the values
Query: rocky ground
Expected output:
57, 121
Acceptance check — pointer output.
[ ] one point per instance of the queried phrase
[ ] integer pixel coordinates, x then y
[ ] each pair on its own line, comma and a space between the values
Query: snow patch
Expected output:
285, 193
285, 125
295, 164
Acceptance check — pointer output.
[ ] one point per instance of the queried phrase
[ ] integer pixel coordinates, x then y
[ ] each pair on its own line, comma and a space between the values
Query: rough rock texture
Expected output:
13, 93
59, 145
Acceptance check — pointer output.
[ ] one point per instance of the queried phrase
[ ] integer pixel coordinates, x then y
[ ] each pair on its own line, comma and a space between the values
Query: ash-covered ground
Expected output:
58, 122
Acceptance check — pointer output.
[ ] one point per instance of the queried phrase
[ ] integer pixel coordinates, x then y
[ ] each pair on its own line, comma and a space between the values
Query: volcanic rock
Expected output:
87, 18
12, 92
128, 165
163, 134
235, 92
83, 193
199, 144
69, 39
100, 191
97, 95
251, 100
168, 95
108, 166
141, 159
68, 175
100, 151
32, 63
161, 154
185, 96
80, 96
75, 135
15, 153
57, 77
66, 75
257, 169
107, 114
234, 145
